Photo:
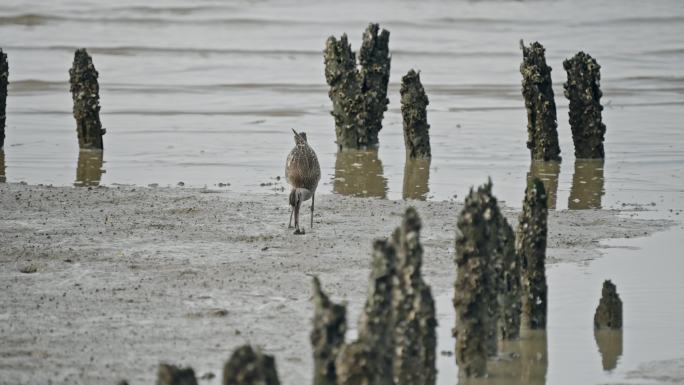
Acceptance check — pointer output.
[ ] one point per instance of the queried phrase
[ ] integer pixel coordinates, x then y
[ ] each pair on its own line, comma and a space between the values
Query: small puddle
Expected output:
647, 274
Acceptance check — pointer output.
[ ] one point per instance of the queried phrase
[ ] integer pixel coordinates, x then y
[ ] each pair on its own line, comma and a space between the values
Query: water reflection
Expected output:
89, 170
610, 346
3, 177
416, 179
360, 174
548, 173
587, 185
521, 362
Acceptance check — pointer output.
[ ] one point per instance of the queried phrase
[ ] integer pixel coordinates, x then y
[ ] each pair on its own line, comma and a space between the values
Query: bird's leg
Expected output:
312, 208
298, 203
289, 225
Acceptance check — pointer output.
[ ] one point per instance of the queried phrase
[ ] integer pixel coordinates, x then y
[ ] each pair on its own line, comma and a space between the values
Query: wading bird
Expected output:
302, 172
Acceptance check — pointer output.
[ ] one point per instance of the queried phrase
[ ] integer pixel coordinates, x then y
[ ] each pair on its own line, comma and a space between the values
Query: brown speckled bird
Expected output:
302, 172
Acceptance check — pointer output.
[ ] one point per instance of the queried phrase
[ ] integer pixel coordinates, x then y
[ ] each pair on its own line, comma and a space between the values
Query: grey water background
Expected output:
205, 92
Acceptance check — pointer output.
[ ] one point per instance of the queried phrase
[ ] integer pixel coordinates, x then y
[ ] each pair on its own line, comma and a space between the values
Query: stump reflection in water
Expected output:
3, 176
89, 169
587, 185
521, 362
416, 178
609, 344
360, 174
548, 173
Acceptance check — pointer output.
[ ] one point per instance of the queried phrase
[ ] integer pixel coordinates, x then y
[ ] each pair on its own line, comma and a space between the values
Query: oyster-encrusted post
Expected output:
531, 247
471, 294
415, 338
583, 90
173, 375
359, 95
375, 325
509, 294
327, 336
4, 81
356, 364
249, 367
413, 110
539, 102
85, 92
609, 311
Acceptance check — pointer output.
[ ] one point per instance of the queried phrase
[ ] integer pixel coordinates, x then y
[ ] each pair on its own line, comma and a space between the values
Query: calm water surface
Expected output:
205, 92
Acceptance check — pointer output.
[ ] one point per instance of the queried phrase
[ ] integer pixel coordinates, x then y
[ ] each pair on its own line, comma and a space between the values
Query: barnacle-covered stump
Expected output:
541, 107
4, 81
609, 311
85, 92
415, 338
531, 247
359, 96
249, 367
583, 90
475, 244
357, 365
173, 375
375, 325
327, 336
509, 294
413, 110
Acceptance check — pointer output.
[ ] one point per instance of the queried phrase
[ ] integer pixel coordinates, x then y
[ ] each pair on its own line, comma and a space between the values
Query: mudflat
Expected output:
101, 284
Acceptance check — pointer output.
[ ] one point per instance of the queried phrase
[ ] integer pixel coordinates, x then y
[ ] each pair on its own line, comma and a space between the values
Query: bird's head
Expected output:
300, 138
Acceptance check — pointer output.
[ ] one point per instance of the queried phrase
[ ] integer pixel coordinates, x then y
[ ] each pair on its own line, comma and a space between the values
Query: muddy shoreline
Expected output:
118, 279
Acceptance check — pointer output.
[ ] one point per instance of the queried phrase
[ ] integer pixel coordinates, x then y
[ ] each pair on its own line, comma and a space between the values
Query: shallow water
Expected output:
205, 92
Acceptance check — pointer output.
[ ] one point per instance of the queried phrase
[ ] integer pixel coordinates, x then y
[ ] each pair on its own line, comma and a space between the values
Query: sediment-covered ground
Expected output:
102, 284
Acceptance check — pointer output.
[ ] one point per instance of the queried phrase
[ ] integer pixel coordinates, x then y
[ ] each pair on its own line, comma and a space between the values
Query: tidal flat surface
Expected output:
206, 92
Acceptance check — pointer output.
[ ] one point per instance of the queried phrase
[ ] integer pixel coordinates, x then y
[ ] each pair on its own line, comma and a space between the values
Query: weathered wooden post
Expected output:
415, 338
327, 336
359, 96
375, 325
85, 92
3, 175
173, 375
609, 311
357, 364
413, 110
539, 102
509, 294
531, 247
4, 81
472, 292
249, 367
583, 90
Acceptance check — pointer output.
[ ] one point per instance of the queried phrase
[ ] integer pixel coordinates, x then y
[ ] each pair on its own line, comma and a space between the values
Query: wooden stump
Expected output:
4, 81
85, 92
327, 336
249, 367
414, 102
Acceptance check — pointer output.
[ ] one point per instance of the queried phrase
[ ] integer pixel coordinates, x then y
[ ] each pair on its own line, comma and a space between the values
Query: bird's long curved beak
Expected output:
295, 132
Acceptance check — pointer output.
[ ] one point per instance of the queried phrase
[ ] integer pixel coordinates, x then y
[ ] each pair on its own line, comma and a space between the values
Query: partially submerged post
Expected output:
4, 81
609, 311
173, 375
472, 294
413, 110
356, 364
85, 92
509, 294
327, 336
359, 96
539, 102
249, 367
583, 90
531, 247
